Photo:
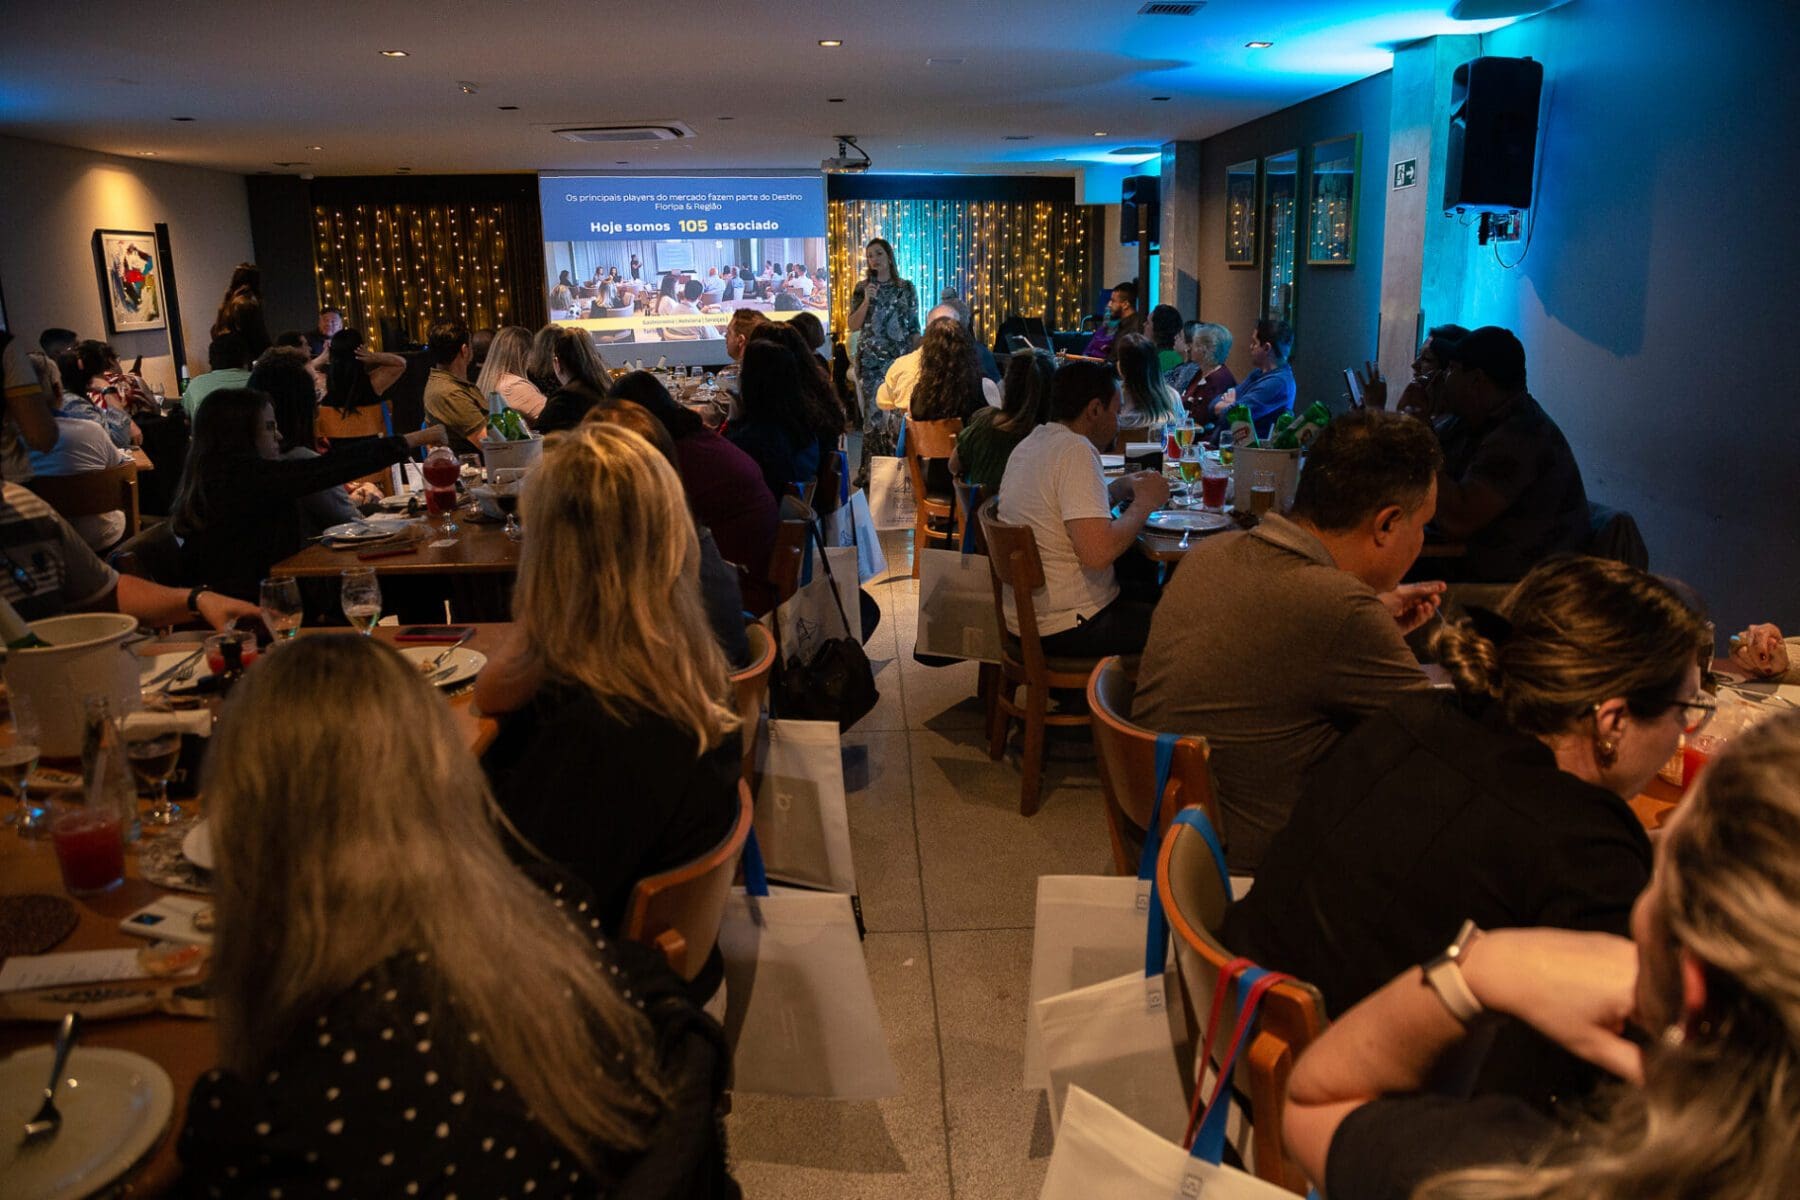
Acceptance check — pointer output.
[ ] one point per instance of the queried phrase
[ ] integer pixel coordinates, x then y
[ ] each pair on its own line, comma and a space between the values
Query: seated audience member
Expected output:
724, 486
356, 380
992, 434
540, 366
1761, 653
525, 1054
237, 508
28, 421
1268, 390
1707, 1105
230, 358
809, 327
582, 380
948, 383
1272, 643
82, 446
1121, 318
88, 395
60, 574
1508, 804
1147, 400
1054, 484
123, 390
712, 291
737, 330
318, 339
481, 342
284, 379
618, 750
1165, 328
1206, 347
1510, 489
1423, 396
450, 399
825, 413
774, 425
506, 371
54, 340
897, 387
719, 589
562, 293
990, 367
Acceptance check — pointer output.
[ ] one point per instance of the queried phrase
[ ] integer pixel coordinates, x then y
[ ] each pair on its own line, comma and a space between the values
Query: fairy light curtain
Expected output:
480, 261
1004, 257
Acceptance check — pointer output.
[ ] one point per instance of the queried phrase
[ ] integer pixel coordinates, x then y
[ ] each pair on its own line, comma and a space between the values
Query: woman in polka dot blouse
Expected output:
401, 1011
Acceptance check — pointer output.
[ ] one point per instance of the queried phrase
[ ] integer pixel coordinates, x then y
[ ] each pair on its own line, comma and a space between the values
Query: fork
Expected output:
1185, 535
48, 1120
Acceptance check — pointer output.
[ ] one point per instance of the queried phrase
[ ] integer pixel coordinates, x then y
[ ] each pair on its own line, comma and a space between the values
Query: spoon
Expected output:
48, 1120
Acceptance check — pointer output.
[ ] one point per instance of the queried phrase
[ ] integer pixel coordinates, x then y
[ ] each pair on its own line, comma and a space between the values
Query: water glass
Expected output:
153, 757
282, 608
1262, 492
18, 760
360, 593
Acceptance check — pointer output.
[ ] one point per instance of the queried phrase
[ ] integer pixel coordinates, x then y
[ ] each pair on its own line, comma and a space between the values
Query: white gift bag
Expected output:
891, 500
1091, 928
851, 524
809, 618
956, 606
802, 825
1122, 1041
1102, 1152
800, 1012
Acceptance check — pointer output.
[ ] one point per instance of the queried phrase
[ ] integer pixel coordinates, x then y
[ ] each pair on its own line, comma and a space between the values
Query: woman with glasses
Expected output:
1505, 801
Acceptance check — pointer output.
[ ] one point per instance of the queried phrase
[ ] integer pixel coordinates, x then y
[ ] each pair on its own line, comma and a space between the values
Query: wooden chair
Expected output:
91, 493
1013, 562
749, 686
927, 441
679, 911
784, 560
1292, 1016
1128, 766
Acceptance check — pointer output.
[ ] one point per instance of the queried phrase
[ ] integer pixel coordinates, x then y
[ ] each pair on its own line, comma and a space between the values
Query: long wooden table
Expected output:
184, 1047
479, 549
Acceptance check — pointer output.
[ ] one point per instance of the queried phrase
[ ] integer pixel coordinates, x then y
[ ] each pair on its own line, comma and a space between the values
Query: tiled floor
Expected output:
948, 873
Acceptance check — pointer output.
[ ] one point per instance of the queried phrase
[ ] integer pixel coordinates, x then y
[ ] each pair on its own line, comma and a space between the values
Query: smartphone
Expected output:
434, 633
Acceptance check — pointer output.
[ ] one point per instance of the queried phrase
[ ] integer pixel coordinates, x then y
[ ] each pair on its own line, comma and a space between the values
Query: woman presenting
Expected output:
886, 312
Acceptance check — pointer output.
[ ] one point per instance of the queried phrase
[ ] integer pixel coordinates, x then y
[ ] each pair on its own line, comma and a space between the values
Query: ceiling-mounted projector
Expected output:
843, 164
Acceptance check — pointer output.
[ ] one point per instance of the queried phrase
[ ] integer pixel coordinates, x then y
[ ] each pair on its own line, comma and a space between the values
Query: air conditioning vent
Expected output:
661, 131
1135, 151
1156, 9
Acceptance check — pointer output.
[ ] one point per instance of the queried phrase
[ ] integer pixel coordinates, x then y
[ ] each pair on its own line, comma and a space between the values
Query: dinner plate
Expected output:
357, 531
114, 1104
465, 663
198, 845
1187, 520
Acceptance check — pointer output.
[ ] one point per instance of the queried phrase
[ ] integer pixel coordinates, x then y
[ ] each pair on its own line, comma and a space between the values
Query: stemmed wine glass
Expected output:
282, 609
360, 593
18, 759
506, 499
153, 757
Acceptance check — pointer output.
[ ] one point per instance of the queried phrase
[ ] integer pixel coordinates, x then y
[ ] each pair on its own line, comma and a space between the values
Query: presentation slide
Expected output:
656, 265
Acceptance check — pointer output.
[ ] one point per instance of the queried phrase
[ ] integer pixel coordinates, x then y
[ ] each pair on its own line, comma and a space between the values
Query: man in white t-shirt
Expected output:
82, 446
1054, 484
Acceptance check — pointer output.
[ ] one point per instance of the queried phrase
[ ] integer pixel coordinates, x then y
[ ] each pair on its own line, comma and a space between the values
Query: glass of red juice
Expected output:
215, 650
90, 849
1696, 753
441, 471
1212, 491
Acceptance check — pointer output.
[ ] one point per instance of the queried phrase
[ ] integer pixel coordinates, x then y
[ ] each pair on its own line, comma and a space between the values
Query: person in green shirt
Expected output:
229, 357
991, 434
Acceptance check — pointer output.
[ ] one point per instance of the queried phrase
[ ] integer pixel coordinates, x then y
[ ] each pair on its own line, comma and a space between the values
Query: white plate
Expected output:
114, 1104
198, 846
467, 663
357, 531
154, 665
1183, 520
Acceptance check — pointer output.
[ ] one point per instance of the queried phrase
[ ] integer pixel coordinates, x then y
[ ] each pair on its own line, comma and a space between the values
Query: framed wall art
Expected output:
1331, 221
130, 269
1240, 214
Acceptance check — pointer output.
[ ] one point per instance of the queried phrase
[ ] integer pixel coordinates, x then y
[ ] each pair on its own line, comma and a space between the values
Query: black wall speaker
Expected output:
1140, 195
1493, 134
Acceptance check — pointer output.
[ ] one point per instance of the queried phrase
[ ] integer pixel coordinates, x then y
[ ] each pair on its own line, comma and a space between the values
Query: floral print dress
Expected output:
890, 330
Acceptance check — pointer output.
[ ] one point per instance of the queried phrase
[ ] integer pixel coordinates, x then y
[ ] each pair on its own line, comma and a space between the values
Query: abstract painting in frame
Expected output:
131, 275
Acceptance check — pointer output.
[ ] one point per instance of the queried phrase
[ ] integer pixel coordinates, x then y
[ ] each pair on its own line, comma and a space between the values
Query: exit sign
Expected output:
1406, 173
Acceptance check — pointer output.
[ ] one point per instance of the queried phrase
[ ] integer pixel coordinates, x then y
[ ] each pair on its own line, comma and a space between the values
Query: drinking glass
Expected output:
1227, 448
90, 849
1214, 479
17, 761
1184, 434
230, 652
153, 757
1190, 465
1262, 492
507, 501
361, 596
441, 471
282, 609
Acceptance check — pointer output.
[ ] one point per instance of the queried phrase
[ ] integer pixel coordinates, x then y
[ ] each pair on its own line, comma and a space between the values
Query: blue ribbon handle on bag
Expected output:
969, 519
843, 479
1252, 986
900, 442
756, 879
1156, 939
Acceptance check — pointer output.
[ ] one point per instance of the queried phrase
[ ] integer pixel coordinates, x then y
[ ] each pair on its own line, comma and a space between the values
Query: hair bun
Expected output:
1470, 655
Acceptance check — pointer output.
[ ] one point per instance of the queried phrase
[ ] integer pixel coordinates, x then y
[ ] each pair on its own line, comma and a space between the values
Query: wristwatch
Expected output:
1444, 976
193, 600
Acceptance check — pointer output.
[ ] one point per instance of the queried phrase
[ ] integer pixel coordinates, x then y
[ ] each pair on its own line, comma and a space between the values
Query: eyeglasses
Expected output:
1695, 713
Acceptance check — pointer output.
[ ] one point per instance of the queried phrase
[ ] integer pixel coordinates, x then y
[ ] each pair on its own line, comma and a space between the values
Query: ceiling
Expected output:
310, 92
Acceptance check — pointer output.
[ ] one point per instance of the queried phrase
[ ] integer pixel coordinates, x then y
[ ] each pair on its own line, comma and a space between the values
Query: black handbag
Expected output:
838, 684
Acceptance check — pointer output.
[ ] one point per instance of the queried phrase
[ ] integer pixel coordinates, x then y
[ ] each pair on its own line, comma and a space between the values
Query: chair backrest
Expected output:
784, 559
1614, 534
968, 495
1192, 894
114, 489
1013, 563
927, 440
679, 911
153, 554
748, 687
1128, 766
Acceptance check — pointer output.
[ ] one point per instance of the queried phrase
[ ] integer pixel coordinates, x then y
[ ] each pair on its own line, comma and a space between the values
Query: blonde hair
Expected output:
1718, 1111
1574, 632
347, 836
509, 354
609, 582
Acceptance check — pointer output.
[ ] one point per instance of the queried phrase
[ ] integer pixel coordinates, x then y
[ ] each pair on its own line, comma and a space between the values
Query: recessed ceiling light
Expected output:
315, 147
509, 108
1099, 133
393, 54
1158, 99
146, 153
181, 118
1257, 45
830, 43
944, 62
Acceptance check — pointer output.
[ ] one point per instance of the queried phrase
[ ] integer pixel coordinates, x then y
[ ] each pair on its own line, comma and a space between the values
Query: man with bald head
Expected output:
897, 389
